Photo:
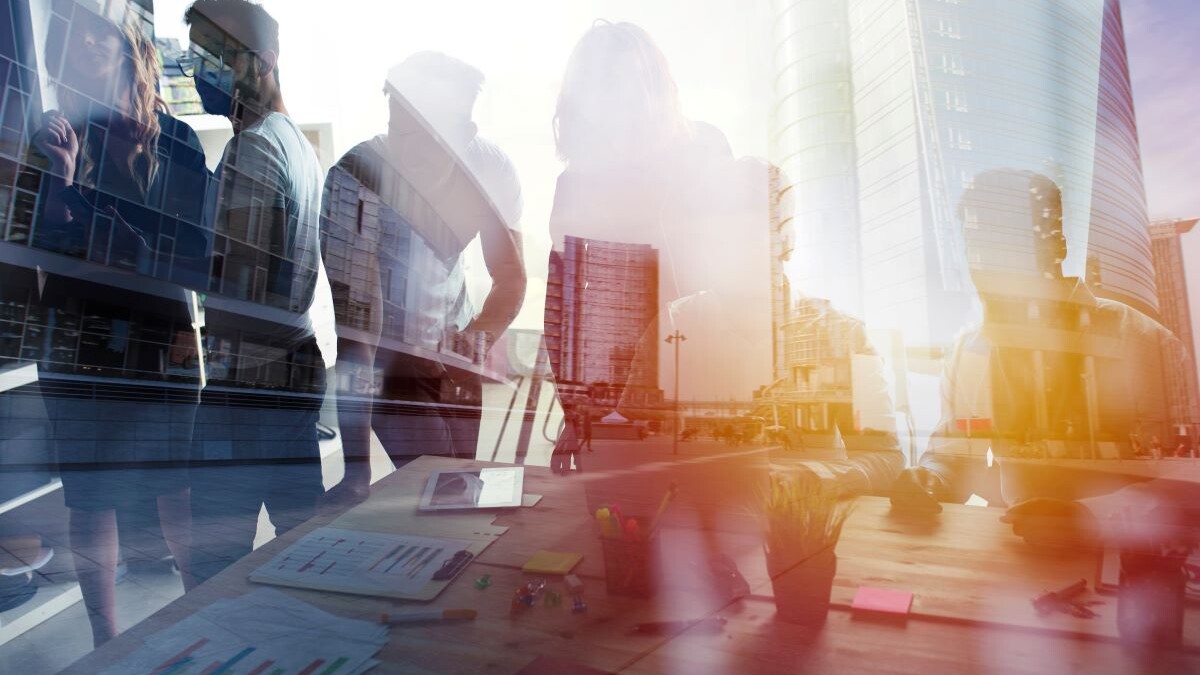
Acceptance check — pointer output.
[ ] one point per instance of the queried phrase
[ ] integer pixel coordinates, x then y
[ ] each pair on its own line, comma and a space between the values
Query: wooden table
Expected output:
972, 578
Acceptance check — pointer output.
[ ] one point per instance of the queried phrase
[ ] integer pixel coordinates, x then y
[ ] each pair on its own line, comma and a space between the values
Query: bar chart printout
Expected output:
351, 561
261, 633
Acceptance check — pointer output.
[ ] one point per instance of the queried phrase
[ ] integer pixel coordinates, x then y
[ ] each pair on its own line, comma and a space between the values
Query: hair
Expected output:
658, 113
465, 79
246, 21
142, 74
427, 79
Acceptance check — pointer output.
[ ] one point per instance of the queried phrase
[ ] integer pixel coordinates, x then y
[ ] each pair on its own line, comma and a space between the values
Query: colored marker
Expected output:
606, 528
633, 531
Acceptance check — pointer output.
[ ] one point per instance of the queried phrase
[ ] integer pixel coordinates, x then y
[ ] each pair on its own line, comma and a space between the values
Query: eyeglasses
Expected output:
199, 59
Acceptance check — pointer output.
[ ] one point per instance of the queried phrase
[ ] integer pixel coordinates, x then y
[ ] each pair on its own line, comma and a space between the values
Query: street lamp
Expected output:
674, 339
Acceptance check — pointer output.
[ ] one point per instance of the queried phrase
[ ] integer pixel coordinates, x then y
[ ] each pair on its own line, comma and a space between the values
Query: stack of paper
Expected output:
261, 633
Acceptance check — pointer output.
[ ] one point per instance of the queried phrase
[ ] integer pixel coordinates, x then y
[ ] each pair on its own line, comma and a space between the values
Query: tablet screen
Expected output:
492, 487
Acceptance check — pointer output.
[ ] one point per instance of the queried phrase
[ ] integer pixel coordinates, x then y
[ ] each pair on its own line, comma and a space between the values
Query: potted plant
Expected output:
803, 519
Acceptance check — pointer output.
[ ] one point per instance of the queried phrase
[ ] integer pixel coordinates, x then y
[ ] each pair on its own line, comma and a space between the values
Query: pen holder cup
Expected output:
631, 565
1150, 601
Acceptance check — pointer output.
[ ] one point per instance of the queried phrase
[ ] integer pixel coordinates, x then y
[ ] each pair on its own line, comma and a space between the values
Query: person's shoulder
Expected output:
484, 153
182, 143
370, 152
274, 124
277, 131
706, 139
364, 162
497, 174
175, 128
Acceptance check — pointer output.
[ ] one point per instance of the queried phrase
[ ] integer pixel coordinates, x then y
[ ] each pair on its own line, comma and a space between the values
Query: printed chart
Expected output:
360, 562
260, 633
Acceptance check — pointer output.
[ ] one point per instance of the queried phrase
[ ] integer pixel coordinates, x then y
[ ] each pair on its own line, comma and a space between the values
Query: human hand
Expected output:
59, 143
913, 490
1053, 522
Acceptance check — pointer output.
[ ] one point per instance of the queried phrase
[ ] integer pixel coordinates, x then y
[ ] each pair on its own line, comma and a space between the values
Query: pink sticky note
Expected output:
884, 600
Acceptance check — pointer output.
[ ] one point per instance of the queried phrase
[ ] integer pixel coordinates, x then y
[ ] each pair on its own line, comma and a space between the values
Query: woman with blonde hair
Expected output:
122, 191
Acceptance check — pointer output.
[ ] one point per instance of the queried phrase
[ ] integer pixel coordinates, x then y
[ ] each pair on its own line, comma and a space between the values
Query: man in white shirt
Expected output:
269, 322
433, 183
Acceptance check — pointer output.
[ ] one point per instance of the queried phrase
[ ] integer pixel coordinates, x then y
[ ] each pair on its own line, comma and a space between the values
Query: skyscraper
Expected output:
888, 109
602, 320
1175, 309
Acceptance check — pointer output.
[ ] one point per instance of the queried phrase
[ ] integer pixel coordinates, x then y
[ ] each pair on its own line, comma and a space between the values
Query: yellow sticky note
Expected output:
551, 562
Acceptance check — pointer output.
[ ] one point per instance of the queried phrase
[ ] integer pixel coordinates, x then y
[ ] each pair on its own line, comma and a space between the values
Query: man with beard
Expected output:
270, 322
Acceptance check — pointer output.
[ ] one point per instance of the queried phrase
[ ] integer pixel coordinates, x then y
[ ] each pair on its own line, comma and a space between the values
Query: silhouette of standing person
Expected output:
403, 207
127, 177
269, 317
638, 172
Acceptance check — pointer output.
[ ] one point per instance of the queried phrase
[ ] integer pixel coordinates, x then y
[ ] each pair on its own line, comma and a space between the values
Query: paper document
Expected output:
263, 632
364, 563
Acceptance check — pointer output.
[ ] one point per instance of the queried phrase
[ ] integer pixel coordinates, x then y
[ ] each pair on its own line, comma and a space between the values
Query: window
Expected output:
956, 101
948, 28
959, 138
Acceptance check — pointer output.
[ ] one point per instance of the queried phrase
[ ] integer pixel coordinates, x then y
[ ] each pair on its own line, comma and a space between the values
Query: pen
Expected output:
713, 624
662, 507
1049, 601
428, 615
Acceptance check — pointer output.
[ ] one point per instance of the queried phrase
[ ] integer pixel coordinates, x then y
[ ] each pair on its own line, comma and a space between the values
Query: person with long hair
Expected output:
639, 172
643, 181
123, 186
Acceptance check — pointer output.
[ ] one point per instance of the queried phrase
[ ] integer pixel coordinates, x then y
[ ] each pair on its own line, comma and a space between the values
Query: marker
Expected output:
615, 520
605, 521
428, 615
632, 531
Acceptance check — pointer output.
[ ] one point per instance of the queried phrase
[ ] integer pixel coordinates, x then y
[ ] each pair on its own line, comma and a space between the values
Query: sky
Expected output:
1164, 57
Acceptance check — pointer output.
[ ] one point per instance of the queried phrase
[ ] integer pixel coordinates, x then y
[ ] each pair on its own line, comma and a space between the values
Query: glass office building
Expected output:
887, 111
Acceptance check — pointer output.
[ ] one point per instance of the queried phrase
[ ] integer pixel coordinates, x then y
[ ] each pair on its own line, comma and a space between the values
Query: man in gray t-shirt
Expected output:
268, 319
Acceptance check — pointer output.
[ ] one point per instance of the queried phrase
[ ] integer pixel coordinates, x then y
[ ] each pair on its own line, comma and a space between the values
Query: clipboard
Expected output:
389, 518
402, 566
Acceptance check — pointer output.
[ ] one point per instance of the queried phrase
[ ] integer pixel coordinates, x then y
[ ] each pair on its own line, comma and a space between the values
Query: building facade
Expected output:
116, 332
1175, 308
602, 321
889, 109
